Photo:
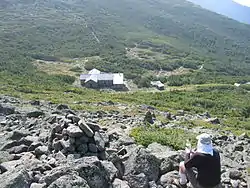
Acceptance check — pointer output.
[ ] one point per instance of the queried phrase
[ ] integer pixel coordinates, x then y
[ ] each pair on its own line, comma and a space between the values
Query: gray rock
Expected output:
81, 140
213, 120
15, 179
73, 118
59, 156
110, 169
62, 107
17, 135
56, 173
180, 113
25, 141
137, 181
167, 178
18, 149
35, 103
169, 159
34, 145
92, 148
72, 140
6, 110
35, 114
120, 184
152, 184
238, 148
86, 129
57, 145
235, 174
125, 140
69, 181
52, 119
105, 137
93, 126
38, 185
141, 161
74, 131
243, 136
67, 146
41, 150
100, 144
92, 170
82, 149
4, 122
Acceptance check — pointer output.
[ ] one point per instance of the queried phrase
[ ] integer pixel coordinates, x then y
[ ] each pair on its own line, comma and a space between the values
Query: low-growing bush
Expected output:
175, 138
76, 69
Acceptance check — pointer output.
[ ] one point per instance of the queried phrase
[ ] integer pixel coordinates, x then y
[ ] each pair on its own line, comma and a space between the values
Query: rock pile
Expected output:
44, 145
71, 135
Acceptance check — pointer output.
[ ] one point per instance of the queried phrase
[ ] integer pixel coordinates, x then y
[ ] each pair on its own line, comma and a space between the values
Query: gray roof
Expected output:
105, 76
84, 76
96, 76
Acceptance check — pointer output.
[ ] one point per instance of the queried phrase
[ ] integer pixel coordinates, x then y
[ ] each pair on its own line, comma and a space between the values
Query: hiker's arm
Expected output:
193, 161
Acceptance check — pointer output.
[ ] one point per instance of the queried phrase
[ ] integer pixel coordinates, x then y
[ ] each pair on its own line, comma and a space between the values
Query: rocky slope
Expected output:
47, 145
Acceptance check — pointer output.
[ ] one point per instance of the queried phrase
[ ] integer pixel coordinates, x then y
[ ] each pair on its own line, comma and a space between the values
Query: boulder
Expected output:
18, 149
62, 107
120, 184
82, 149
81, 140
38, 185
26, 161
86, 129
24, 141
69, 181
41, 150
34, 145
110, 169
35, 103
73, 118
17, 134
92, 170
67, 146
35, 114
93, 126
137, 181
168, 178
56, 173
169, 159
213, 120
16, 178
235, 174
74, 131
141, 161
6, 110
100, 143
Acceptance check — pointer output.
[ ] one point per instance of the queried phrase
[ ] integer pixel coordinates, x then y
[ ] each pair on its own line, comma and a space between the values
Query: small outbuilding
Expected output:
158, 85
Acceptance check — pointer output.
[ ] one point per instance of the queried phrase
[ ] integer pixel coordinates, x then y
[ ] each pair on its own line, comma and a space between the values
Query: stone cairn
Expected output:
73, 135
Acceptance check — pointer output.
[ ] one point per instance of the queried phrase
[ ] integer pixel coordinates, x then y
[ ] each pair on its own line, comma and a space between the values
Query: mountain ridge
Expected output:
227, 8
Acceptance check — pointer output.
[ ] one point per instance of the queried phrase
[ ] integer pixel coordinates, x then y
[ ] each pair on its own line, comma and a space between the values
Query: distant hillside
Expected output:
170, 34
228, 8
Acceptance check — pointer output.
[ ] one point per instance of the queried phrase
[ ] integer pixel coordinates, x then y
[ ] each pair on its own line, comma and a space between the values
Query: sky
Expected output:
243, 2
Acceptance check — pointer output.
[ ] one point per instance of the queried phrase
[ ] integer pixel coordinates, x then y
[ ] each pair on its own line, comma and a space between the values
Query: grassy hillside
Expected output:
63, 28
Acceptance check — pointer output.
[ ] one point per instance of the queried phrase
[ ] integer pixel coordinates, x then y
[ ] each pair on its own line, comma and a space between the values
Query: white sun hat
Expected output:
204, 144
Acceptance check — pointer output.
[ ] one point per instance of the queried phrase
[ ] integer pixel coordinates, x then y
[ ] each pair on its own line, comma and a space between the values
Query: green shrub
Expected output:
174, 138
76, 69
65, 78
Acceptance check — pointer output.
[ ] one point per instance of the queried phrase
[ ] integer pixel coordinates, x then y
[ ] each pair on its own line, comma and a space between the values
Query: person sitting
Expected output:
206, 161
149, 117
